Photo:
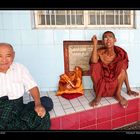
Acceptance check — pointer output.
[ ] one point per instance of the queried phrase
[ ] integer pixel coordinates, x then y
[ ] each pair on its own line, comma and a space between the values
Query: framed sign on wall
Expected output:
78, 53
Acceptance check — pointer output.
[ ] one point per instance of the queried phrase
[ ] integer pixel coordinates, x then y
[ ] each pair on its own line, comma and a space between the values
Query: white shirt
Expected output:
16, 81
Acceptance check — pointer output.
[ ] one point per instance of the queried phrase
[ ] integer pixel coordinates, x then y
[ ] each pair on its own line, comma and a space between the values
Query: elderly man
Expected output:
15, 79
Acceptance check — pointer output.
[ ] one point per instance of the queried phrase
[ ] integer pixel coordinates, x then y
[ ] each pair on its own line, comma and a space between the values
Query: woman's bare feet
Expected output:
123, 102
130, 92
95, 101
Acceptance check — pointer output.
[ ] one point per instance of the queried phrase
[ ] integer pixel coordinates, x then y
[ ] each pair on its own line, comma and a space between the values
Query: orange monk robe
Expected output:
105, 76
70, 85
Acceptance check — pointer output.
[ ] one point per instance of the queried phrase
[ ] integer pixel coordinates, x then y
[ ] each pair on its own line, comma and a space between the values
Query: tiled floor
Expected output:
77, 114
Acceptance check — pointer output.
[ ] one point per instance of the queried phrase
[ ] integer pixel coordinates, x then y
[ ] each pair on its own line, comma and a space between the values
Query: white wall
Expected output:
42, 50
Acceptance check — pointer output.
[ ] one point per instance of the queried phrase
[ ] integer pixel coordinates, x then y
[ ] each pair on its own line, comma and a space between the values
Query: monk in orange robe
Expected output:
108, 66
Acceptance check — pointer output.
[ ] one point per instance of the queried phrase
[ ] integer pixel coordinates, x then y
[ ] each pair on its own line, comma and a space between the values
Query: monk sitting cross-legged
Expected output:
108, 66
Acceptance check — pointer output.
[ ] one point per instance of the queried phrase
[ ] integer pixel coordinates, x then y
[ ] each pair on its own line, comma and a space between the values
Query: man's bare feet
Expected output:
134, 93
123, 102
95, 101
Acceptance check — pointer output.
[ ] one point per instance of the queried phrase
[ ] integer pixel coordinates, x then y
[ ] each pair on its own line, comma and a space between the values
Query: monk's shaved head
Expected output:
110, 32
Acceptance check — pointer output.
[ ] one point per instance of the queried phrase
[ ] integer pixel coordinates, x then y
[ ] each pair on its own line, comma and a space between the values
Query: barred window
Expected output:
83, 18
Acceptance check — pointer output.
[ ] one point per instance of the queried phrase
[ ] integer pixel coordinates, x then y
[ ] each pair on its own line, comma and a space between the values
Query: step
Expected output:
77, 114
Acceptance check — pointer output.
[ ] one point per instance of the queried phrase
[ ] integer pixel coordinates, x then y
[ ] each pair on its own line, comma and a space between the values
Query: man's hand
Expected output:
130, 92
40, 110
94, 40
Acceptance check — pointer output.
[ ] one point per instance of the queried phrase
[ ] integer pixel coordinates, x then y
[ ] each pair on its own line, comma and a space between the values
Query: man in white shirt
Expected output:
15, 79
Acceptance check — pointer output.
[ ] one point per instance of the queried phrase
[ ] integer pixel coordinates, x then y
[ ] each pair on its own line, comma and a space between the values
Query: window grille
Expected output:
83, 18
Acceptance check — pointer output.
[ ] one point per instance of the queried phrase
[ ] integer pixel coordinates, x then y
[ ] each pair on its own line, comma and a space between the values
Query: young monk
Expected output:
109, 70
